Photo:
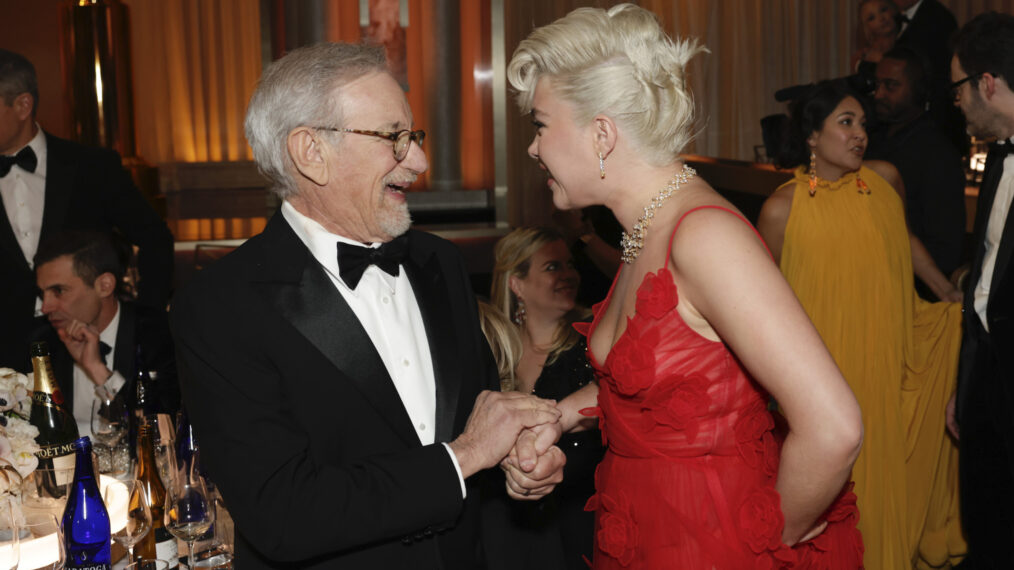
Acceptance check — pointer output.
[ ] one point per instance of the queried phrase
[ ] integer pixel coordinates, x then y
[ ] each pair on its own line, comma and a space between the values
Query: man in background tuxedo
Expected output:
94, 337
927, 26
333, 366
983, 73
930, 166
48, 184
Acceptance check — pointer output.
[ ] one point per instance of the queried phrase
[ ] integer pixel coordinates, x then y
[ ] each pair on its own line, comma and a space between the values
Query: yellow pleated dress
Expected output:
847, 256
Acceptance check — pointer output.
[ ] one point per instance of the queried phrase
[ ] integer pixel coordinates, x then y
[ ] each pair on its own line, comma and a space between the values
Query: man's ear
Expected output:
105, 284
307, 153
23, 106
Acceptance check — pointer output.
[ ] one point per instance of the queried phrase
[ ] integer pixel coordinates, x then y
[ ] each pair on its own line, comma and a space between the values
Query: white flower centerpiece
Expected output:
17, 440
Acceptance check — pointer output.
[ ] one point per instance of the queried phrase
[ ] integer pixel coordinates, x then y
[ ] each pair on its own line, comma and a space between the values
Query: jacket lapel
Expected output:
124, 357
60, 172
431, 293
300, 290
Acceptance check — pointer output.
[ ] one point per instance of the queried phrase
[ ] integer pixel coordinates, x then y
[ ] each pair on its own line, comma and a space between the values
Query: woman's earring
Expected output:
519, 313
813, 174
602, 166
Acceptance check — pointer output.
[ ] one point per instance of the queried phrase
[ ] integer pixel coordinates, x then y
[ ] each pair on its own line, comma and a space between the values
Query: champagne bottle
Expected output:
158, 543
57, 428
85, 521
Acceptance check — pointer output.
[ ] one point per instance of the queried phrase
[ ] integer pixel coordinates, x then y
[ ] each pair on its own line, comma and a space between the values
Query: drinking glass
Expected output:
10, 535
148, 564
163, 437
189, 509
109, 425
47, 536
138, 514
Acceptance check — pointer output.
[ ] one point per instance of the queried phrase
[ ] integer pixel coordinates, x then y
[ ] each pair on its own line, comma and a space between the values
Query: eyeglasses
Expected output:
402, 139
957, 84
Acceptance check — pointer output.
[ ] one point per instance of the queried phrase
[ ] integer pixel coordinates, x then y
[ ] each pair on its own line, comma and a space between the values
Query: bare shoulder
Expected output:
775, 211
885, 169
711, 228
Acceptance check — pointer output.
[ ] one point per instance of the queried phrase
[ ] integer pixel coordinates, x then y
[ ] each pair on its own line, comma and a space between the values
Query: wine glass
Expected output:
163, 437
135, 523
109, 425
189, 509
43, 527
10, 535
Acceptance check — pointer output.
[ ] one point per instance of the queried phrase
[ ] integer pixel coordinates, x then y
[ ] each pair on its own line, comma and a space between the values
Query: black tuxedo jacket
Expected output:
930, 32
88, 189
987, 359
300, 425
139, 326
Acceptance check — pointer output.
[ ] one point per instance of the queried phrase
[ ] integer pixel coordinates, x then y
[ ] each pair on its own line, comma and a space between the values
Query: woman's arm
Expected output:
922, 262
724, 272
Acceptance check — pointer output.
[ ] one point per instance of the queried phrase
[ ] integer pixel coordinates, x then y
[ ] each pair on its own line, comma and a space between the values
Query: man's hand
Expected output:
537, 482
82, 342
493, 427
535, 465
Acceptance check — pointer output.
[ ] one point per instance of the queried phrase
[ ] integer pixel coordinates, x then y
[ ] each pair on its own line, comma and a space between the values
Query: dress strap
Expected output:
668, 253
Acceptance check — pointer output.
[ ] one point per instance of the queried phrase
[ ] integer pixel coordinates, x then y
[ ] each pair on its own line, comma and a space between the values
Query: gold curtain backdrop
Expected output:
195, 65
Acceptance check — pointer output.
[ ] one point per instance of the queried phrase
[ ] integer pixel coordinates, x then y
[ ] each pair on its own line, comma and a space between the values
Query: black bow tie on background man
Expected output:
354, 259
104, 350
1003, 146
25, 158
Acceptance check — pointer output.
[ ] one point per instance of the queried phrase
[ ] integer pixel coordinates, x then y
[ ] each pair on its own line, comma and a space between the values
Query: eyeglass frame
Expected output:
957, 84
413, 136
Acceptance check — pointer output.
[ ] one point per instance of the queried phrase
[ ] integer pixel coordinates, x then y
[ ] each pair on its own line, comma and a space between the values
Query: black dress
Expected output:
554, 532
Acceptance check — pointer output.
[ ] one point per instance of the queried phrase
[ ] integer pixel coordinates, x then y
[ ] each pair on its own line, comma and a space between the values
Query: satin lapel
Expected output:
987, 191
126, 332
313, 306
432, 296
60, 172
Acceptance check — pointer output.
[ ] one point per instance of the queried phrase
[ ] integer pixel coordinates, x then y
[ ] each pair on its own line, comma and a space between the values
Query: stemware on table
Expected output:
189, 508
138, 513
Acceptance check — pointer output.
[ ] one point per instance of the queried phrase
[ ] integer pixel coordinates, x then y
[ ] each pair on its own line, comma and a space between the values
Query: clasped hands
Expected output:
518, 431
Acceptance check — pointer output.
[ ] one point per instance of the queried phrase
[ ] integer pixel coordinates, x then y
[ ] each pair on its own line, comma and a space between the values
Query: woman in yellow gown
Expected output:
838, 232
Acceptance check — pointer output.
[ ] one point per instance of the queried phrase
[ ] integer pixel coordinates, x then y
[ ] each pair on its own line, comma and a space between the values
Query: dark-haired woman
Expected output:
838, 230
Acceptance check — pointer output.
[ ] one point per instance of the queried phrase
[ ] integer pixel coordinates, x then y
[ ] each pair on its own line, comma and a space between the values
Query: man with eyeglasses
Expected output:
982, 70
333, 367
930, 166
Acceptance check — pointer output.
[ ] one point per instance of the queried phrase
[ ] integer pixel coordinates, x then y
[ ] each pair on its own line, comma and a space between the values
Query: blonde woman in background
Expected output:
505, 342
534, 282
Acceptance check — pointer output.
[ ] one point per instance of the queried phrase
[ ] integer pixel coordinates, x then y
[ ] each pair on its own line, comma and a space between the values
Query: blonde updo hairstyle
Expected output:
513, 257
619, 63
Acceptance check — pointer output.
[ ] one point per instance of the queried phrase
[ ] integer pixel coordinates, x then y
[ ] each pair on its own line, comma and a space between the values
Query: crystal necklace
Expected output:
634, 241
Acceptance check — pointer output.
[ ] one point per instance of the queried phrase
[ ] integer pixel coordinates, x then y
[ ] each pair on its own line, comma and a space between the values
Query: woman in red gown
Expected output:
698, 329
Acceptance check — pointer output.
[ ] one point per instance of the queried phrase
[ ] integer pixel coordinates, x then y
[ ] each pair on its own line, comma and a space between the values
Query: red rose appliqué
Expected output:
657, 296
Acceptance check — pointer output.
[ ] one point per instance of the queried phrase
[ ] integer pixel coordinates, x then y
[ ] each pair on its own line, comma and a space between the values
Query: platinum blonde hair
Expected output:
303, 88
618, 63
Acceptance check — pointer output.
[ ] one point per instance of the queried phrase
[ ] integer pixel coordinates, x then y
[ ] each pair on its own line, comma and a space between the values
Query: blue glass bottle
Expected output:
85, 520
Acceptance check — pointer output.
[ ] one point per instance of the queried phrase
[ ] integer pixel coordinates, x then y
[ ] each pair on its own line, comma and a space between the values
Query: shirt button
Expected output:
385, 300
405, 361
422, 427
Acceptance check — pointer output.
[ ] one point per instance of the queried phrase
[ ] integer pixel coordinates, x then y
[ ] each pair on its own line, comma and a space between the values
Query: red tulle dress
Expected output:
688, 480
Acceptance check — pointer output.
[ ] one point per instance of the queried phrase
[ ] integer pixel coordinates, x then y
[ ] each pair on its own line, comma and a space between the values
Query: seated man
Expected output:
94, 338
929, 164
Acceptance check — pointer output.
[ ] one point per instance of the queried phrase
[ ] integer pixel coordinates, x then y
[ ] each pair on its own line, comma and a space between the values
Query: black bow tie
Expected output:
354, 259
902, 18
1002, 147
25, 158
104, 350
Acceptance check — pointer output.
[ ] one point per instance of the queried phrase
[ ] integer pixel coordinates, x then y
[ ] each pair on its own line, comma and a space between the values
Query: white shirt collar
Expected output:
108, 334
912, 10
323, 244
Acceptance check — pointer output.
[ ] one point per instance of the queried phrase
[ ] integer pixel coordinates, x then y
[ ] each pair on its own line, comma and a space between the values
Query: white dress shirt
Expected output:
994, 232
84, 388
386, 307
24, 195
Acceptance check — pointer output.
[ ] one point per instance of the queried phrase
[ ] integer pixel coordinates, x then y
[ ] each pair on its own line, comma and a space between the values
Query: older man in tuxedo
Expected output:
48, 184
983, 73
333, 366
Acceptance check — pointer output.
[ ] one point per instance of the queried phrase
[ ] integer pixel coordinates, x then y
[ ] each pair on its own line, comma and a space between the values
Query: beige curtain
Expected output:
195, 65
